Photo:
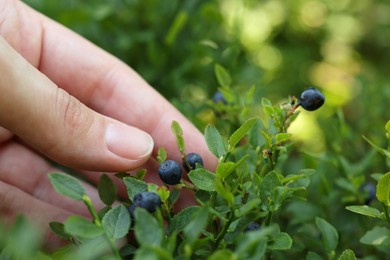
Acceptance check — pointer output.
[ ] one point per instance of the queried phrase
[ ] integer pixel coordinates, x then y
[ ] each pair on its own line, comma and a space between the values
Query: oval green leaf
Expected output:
178, 132
383, 189
223, 77
202, 179
107, 190
330, 237
81, 227
365, 210
134, 186
147, 230
214, 141
181, 219
240, 133
117, 222
67, 185
347, 255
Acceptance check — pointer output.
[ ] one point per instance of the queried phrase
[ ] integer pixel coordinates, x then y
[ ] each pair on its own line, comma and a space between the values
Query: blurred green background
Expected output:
281, 47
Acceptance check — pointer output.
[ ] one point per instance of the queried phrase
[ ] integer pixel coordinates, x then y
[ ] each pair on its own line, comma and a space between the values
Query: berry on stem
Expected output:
147, 200
192, 159
253, 226
218, 97
311, 99
170, 172
369, 190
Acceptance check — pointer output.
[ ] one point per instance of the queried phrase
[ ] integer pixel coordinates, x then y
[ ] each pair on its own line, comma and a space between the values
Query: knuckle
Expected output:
72, 122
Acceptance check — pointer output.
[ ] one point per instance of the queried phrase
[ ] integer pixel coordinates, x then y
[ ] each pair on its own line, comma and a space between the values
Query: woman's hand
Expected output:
65, 99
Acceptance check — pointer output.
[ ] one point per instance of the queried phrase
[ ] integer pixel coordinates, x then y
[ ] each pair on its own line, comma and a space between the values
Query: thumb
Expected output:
58, 125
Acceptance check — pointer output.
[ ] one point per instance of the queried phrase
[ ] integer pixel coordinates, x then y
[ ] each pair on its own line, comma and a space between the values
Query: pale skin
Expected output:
65, 99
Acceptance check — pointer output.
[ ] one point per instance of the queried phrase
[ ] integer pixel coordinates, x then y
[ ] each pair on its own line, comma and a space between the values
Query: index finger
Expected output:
103, 82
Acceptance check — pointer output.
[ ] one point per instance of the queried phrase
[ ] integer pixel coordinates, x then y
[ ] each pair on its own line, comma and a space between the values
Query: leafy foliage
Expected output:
299, 174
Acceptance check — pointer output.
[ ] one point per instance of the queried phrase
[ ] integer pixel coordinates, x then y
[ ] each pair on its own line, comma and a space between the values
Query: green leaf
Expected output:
313, 256
294, 177
268, 189
152, 187
181, 219
383, 189
161, 155
330, 237
253, 245
163, 192
247, 207
122, 175
134, 186
197, 224
222, 75
387, 127
376, 236
140, 174
241, 132
282, 137
222, 254
267, 107
214, 141
225, 168
365, 210
58, 229
81, 227
378, 148
147, 230
178, 132
177, 25
347, 255
152, 252
280, 241
202, 179
21, 240
265, 102
67, 185
107, 190
173, 196
224, 192
117, 222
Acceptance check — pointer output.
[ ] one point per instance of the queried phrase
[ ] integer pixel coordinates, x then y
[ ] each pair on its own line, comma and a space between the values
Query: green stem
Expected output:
188, 185
222, 234
92, 210
98, 223
269, 218
212, 205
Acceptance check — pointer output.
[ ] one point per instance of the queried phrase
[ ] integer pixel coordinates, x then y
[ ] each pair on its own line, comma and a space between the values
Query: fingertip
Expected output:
128, 142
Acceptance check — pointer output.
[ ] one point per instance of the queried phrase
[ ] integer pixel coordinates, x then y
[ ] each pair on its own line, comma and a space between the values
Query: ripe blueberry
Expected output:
192, 159
170, 172
218, 97
253, 226
147, 200
311, 99
369, 191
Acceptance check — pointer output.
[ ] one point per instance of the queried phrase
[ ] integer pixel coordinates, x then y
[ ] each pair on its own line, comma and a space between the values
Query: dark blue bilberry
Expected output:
369, 190
192, 159
311, 99
147, 200
218, 97
170, 172
253, 226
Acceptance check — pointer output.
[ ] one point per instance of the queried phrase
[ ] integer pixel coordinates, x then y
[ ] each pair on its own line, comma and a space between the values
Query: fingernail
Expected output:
128, 142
